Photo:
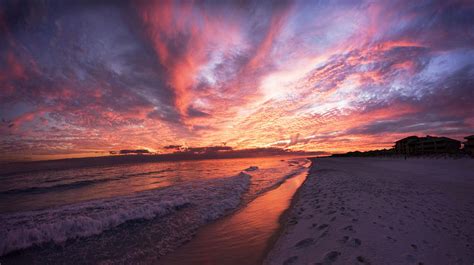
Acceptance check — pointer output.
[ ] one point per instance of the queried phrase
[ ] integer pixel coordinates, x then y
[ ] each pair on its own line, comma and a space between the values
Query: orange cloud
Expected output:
332, 77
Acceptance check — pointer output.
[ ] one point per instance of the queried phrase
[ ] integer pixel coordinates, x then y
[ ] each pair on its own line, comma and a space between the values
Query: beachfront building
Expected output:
406, 145
437, 145
414, 145
469, 144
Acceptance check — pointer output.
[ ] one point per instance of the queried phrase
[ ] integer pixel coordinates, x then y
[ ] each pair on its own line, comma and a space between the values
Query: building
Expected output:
414, 145
436, 145
406, 146
469, 144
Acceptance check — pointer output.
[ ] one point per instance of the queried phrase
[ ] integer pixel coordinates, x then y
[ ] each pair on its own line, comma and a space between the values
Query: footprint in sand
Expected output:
305, 243
349, 228
321, 227
353, 242
292, 222
324, 234
331, 257
344, 239
291, 260
362, 260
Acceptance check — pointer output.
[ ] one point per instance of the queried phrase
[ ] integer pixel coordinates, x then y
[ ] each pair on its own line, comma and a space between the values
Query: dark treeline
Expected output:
371, 153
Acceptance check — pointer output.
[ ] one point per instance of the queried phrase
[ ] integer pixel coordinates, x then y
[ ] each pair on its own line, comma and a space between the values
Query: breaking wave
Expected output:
213, 198
73, 185
78, 184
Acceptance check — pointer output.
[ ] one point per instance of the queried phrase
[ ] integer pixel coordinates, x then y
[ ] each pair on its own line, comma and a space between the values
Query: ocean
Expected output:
127, 212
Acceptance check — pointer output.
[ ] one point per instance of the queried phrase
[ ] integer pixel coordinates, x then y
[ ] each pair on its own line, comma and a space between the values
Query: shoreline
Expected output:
244, 236
22, 167
380, 211
283, 219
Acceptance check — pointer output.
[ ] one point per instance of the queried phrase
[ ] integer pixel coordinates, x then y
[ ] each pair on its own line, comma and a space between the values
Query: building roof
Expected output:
429, 138
413, 137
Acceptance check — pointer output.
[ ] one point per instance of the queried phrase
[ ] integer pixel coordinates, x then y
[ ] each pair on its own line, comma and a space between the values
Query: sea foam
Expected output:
212, 198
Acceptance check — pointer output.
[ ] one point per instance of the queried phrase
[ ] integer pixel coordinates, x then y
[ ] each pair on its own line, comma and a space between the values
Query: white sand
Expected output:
381, 211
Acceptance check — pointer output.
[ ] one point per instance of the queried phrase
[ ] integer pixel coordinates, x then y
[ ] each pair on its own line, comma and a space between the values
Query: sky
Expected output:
84, 77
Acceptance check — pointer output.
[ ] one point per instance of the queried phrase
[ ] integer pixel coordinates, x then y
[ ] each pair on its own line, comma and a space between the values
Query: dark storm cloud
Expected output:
88, 52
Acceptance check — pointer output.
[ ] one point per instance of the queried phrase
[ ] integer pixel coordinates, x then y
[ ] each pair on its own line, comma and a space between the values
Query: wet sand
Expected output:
381, 211
243, 237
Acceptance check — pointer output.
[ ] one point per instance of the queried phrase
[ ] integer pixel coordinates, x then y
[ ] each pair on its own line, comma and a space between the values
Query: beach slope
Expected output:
381, 211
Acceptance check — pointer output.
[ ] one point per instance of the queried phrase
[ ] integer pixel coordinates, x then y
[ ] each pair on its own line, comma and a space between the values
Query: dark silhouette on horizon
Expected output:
137, 152
420, 146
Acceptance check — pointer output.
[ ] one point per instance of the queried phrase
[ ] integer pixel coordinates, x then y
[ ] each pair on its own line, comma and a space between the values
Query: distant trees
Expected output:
382, 152
134, 152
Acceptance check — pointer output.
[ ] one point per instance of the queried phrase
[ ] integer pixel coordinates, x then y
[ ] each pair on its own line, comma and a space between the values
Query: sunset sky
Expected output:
79, 77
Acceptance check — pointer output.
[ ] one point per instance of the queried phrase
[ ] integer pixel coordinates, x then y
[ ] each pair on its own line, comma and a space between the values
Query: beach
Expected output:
380, 211
337, 211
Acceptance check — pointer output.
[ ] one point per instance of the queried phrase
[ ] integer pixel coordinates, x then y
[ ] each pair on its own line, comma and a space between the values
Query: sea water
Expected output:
127, 212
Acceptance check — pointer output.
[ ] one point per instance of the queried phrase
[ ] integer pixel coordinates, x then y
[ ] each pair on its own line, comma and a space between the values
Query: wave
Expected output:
78, 184
283, 179
65, 186
149, 173
251, 168
212, 197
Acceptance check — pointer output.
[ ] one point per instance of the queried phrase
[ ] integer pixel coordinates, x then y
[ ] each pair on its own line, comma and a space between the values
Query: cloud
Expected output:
330, 76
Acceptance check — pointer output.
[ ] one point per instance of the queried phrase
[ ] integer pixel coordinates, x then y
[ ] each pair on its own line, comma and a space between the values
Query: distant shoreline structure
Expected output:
421, 146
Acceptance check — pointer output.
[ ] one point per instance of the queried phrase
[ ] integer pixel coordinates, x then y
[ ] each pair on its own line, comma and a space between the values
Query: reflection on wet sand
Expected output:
243, 237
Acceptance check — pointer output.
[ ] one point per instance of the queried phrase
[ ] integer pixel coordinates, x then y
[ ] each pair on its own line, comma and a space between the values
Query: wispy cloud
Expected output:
312, 75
